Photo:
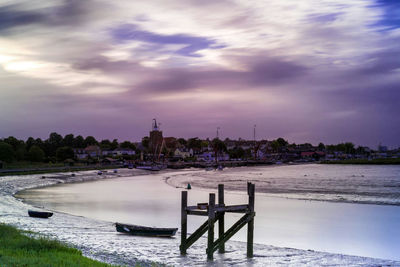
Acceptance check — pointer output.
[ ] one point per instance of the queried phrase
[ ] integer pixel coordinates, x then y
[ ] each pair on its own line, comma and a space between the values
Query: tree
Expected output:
127, 144
90, 141
36, 154
68, 140
218, 146
55, 140
182, 141
145, 141
14, 142
282, 142
64, 153
6, 152
20, 152
105, 144
30, 142
321, 146
194, 143
78, 142
114, 144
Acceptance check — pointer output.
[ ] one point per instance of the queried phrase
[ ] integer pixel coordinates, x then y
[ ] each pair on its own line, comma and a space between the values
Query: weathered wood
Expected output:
198, 233
223, 208
197, 212
216, 212
183, 222
202, 206
221, 221
211, 217
232, 230
232, 208
250, 226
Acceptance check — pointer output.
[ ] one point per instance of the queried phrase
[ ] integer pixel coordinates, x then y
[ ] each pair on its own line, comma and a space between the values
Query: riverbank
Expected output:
99, 240
20, 248
386, 161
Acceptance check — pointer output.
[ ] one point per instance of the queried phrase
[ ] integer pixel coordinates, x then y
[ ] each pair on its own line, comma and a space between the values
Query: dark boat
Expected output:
40, 214
144, 230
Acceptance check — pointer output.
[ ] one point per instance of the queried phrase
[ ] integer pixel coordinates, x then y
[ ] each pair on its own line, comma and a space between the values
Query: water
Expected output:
348, 228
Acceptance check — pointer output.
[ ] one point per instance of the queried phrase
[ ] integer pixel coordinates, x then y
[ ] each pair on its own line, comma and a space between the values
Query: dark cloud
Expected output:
263, 72
68, 13
130, 32
11, 17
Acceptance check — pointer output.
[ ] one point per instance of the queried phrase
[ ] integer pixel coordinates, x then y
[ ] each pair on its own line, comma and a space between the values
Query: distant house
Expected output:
312, 154
107, 152
93, 151
210, 156
123, 151
80, 153
183, 153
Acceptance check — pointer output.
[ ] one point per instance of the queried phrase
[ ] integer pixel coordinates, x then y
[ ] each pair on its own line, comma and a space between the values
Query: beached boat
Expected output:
144, 230
152, 167
40, 214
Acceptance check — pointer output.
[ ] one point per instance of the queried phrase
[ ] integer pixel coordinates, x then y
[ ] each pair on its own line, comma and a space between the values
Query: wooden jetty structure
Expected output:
216, 213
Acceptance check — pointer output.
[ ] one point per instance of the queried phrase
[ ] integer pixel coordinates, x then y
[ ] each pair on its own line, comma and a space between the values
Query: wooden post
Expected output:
250, 225
221, 221
211, 217
183, 223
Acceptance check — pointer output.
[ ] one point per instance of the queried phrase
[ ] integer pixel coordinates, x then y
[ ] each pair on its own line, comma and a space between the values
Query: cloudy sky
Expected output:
309, 70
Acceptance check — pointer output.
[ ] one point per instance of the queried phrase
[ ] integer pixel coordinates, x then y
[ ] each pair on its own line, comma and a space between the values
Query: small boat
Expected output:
40, 214
144, 230
153, 167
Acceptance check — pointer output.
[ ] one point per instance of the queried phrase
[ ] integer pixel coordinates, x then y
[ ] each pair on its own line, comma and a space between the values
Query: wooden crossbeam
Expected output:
231, 231
196, 235
221, 208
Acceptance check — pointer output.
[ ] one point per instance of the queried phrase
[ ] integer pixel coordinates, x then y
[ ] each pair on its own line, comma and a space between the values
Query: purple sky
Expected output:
308, 71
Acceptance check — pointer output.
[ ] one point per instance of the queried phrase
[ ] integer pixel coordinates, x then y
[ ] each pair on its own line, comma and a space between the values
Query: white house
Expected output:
183, 153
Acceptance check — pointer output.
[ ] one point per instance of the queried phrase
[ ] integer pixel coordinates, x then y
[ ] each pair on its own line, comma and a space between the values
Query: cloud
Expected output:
191, 44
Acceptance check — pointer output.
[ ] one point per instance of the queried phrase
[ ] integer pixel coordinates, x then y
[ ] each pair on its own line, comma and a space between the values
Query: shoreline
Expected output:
89, 246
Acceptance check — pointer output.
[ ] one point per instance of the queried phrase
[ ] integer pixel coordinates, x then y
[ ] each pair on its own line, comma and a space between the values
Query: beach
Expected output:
99, 240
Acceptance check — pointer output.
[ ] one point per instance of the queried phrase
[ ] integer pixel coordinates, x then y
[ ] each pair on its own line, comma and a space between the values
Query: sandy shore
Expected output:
99, 240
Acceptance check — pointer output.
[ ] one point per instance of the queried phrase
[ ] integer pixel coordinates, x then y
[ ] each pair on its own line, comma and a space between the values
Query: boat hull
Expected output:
39, 214
145, 231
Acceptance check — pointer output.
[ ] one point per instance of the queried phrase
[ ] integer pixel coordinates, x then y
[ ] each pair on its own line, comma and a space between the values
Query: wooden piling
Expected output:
183, 223
250, 225
211, 217
221, 221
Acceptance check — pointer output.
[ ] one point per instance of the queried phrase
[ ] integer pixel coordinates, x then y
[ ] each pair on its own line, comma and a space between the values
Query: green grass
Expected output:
17, 249
387, 161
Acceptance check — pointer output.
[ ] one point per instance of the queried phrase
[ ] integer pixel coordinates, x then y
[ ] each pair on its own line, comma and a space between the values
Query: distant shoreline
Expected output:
389, 161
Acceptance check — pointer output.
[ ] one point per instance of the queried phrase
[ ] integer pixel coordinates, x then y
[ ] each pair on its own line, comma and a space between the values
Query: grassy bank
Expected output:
389, 161
17, 249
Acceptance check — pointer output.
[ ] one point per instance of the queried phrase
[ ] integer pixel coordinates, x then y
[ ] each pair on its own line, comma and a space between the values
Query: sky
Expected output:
309, 71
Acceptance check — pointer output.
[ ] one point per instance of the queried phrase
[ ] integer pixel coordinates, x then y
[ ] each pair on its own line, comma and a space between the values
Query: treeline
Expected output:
56, 148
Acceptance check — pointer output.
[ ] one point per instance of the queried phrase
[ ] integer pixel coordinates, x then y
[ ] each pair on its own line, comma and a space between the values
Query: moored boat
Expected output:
145, 231
40, 214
